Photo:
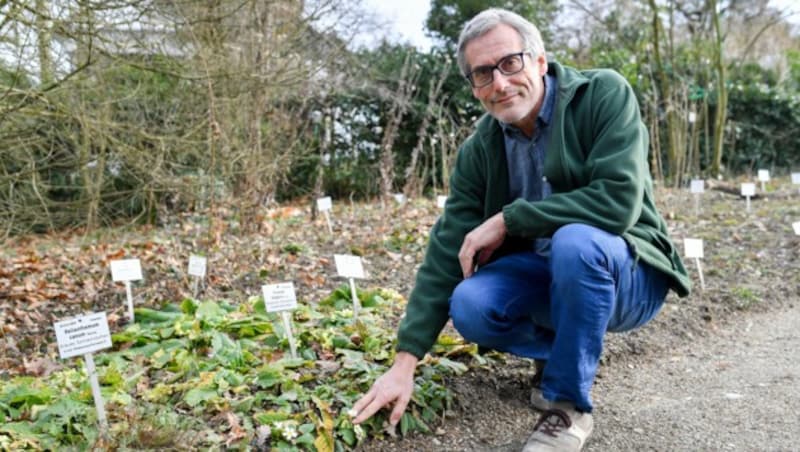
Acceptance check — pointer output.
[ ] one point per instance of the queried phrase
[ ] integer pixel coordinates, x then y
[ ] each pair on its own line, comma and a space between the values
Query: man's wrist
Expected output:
501, 221
405, 361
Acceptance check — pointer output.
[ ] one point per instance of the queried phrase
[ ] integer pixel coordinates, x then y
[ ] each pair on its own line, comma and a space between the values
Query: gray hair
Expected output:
488, 20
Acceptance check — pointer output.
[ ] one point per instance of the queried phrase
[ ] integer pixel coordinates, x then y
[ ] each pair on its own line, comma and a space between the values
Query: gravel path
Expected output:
735, 390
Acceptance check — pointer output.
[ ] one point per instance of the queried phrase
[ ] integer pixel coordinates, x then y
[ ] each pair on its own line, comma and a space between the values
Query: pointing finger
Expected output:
365, 400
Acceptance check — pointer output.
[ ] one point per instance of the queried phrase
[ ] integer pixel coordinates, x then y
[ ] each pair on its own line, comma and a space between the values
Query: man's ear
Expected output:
541, 64
475, 93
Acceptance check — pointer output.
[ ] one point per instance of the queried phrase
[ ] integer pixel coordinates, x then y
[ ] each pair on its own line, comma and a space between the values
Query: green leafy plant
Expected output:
215, 374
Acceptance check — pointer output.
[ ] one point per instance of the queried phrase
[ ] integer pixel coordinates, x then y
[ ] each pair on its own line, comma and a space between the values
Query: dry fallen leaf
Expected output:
40, 367
236, 431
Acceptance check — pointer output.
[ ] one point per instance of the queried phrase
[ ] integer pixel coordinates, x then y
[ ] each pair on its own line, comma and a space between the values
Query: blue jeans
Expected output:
558, 308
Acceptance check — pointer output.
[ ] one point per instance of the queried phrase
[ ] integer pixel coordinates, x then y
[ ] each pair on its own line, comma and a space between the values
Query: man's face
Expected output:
516, 98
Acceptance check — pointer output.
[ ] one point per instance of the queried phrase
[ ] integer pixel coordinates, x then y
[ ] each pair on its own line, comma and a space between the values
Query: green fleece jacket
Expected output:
596, 165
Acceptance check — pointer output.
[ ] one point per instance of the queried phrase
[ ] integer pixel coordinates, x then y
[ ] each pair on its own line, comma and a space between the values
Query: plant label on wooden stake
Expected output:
693, 248
127, 270
399, 198
325, 205
84, 335
748, 190
281, 298
697, 187
763, 177
796, 178
796, 227
441, 200
197, 268
350, 267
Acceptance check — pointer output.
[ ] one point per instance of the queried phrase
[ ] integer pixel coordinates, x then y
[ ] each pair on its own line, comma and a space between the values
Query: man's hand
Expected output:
482, 241
396, 385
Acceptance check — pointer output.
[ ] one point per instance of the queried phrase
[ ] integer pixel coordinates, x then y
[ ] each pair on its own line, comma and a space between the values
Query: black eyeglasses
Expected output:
508, 65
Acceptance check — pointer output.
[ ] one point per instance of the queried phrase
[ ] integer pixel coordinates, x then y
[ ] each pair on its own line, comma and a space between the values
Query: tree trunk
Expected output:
675, 155
721, 112
412, 187
325, 143
400, 103
43, 36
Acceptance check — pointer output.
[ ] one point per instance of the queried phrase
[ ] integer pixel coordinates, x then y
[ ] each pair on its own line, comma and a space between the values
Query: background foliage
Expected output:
129, 110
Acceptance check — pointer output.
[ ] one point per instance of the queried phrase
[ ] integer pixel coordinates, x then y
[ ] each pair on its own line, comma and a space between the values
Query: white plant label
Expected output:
197, 266
324, 204
279, 297
126, 270
441, 200
763, 175
84, 335
796, 227
692, 116
399, 198
81, 335
748, 189
796, 178
349, 266
697, 186
693, 248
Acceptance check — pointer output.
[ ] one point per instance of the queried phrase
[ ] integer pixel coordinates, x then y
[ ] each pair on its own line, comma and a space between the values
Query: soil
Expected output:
750, 272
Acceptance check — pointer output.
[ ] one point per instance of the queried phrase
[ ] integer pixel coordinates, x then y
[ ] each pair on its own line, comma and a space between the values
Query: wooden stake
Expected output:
129, 294
98, 397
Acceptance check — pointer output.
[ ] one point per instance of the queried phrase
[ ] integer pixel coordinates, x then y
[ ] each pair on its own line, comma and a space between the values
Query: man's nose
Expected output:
499, 80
